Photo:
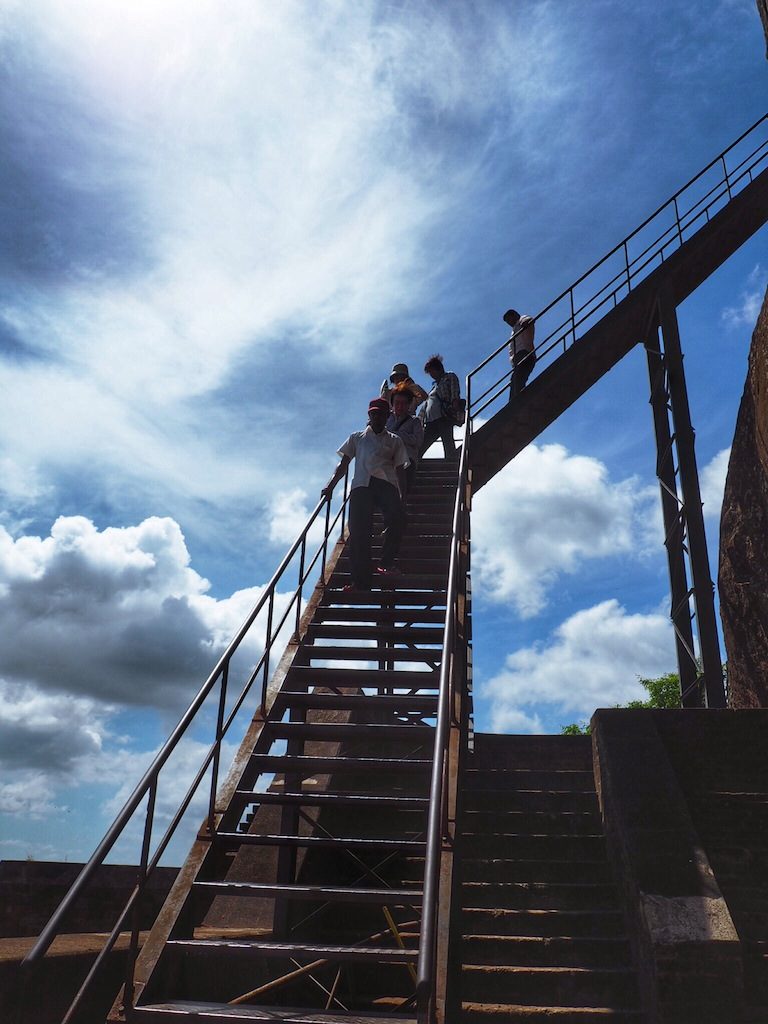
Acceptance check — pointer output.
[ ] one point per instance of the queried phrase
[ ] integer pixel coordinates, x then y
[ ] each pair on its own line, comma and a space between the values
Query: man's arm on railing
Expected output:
338, 473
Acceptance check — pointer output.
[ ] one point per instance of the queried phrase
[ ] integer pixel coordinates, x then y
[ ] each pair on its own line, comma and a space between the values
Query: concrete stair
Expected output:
723, 771
542, 934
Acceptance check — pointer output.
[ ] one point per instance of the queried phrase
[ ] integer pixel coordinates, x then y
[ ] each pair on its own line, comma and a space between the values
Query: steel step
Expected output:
399, 634
386, 597
262, 890
409, 617
303, 676
313, 799
318, 842
181, 1010
298, 764
330, 732
326, 653
422, 703
284, 950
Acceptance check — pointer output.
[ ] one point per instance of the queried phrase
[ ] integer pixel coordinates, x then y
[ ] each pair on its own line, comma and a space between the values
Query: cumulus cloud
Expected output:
115, 615
544, 515
47, 730
712, 483
745, 312
592, 660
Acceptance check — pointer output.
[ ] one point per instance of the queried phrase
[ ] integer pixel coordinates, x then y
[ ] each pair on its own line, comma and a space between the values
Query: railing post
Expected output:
140, 883
267, 650
677, 225
325, 538
726, 177
217, 751
301, 585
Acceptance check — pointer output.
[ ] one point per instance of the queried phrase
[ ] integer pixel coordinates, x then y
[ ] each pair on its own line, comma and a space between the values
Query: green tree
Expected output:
663, 692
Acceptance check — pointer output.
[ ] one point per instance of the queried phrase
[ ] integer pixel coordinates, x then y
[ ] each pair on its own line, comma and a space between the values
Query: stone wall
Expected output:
743, 574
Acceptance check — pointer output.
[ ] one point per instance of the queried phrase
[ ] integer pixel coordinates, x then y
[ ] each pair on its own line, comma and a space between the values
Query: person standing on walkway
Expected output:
378, 481
522, 354
442, 402
398, 377
408, 428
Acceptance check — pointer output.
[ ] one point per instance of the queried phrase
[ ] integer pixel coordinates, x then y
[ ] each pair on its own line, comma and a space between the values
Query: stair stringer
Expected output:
170, 918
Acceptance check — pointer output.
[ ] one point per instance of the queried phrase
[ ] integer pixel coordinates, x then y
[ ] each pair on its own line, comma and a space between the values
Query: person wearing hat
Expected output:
399, 376
378, 481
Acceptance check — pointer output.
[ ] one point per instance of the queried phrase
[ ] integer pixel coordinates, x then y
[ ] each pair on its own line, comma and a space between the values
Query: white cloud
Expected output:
288, 514
270, 177
43, 730
712, 483
592, 660
544, 515
28, 794
116, 615
745, 313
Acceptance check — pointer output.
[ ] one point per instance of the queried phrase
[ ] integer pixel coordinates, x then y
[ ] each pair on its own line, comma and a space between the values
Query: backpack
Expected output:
457, 411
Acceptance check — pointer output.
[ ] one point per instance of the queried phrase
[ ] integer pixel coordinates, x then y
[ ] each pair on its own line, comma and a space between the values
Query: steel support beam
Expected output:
674, 524
683, 434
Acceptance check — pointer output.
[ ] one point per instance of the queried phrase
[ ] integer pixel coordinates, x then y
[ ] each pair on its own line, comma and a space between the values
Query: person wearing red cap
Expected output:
378, 481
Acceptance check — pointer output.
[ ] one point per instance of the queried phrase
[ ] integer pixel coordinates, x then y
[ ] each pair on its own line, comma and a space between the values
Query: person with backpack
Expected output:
444, 407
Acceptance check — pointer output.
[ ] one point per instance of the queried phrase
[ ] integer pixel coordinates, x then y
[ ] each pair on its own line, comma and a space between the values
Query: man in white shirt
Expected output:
522, 354
379, 480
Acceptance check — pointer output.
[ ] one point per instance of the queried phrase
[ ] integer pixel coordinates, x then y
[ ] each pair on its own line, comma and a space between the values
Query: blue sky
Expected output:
221, 225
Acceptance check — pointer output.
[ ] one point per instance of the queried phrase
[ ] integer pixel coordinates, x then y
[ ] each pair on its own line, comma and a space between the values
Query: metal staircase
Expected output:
336, 931
320, 885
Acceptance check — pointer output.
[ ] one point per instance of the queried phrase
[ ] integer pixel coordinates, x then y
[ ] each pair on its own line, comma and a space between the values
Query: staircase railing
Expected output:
612, 278
451, 731
299, 563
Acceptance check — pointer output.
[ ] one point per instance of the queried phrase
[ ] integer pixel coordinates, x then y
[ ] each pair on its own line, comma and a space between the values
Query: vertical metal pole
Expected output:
267, 650
140, 884
217, 752
674, 524
703, 588
300, 589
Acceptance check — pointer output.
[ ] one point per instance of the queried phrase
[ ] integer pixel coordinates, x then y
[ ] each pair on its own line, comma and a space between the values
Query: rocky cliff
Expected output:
743, 575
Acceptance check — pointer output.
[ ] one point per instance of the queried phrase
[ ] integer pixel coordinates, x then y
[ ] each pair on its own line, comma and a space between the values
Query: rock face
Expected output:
762, 6
743, 574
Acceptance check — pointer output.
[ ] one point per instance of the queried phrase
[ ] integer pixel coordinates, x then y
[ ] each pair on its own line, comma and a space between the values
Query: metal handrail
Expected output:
437, 819
629, 274
148, 785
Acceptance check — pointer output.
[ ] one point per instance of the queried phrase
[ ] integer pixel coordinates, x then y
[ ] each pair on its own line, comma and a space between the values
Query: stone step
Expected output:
505, 1013
532, 846
605, 923
533, 822
553, 986
549, 800
519, 779
538, 896
542, 951
510, 752
505, 870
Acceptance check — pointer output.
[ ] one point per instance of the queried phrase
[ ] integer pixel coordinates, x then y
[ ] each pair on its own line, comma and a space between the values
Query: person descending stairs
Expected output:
328, 924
